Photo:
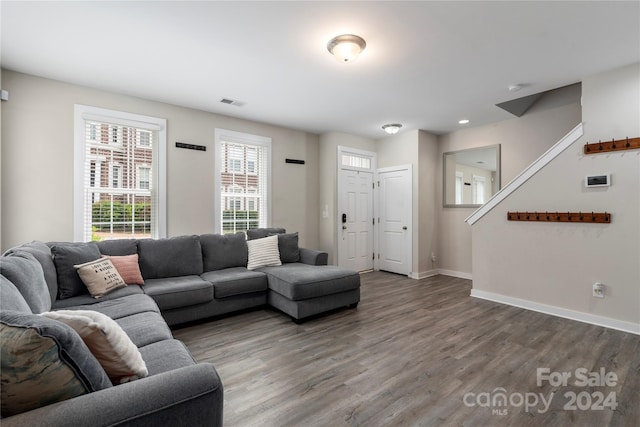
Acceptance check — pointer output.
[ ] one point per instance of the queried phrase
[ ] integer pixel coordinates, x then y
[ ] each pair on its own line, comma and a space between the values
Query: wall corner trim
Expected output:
524, 176
580, 316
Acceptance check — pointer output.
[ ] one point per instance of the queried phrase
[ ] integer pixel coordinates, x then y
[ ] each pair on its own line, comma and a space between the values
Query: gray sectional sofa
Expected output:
186, 278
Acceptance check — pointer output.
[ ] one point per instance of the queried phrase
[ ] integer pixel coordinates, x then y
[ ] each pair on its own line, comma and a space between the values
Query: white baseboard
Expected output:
436, 271
453, 273
423, 274
621, 325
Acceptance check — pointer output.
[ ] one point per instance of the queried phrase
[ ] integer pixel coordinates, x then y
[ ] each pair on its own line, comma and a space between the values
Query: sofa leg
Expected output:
354, 305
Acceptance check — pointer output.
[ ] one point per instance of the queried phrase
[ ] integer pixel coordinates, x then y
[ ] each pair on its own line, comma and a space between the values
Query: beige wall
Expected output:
522, 141
554, 265
37, 163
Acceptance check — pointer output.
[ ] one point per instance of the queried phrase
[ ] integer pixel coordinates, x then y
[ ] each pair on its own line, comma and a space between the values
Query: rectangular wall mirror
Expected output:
471, 176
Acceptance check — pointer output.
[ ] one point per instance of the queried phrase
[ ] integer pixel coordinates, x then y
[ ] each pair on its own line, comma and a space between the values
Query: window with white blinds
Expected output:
119, 175
243, 173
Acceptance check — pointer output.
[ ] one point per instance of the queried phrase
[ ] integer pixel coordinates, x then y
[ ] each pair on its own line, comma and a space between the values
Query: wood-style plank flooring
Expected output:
416, 353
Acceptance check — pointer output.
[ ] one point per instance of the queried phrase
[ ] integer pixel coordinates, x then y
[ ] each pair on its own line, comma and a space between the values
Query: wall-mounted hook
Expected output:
627, 144
613, 143
600, 145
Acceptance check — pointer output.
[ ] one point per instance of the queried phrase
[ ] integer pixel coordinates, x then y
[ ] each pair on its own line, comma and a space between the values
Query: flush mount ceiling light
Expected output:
392, 128
463, 121
346, 47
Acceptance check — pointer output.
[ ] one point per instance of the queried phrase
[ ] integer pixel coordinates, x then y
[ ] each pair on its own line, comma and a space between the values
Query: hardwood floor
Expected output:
417, 353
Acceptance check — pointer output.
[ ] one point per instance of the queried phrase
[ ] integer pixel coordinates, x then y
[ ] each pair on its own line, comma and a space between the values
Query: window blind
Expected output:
244, 185
118, 180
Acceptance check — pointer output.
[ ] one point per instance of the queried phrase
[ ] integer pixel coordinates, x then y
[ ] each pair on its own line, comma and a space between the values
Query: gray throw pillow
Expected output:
288, 247
65, 257
25, 272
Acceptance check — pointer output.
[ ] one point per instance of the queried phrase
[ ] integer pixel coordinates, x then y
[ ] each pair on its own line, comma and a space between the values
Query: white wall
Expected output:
37, 163
552, 266
522, 141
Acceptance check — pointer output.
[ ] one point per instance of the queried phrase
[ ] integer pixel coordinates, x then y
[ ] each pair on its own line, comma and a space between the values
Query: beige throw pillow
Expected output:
100, 277
263, 252
118, 355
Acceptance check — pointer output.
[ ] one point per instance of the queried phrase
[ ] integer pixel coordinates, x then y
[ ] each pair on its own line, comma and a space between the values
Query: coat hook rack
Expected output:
584, 217
613, 145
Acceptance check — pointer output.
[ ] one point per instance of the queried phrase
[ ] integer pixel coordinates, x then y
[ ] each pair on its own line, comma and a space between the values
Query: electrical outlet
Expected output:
598, 290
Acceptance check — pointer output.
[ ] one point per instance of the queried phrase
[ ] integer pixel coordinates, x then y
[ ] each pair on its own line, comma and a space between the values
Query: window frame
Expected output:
224, 135
83, 113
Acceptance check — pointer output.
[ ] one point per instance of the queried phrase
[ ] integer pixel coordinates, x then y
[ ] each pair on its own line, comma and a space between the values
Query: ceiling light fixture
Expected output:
392, 128
346, 47
463, 121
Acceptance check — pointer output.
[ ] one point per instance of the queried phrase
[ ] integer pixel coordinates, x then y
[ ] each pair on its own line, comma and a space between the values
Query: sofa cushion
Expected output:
122, 307
263, 252
128, 267
118, 247
301, 281
100, 277
11, 298
173, 292
288, 247
223, 251
25, 272
167, 355
87, 299
43, 362
260, 233
42, 253
65, 257
145, 328
235, 281
107, 341
177, 256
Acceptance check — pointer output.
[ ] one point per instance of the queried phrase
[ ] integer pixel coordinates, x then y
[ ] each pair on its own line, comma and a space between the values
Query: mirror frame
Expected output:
444, 174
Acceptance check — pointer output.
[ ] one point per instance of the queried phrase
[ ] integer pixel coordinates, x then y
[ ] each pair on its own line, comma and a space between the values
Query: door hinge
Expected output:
373, 220
373, 185
373, 255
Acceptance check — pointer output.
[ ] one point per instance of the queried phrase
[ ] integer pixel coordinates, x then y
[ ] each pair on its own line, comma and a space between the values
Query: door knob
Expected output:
404, 227
344, 227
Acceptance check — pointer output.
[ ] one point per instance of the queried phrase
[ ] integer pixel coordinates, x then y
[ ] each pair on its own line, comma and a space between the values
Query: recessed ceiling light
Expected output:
463, 121
514, 88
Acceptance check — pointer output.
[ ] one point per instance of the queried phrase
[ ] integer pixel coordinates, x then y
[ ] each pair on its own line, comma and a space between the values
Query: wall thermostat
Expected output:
597, 180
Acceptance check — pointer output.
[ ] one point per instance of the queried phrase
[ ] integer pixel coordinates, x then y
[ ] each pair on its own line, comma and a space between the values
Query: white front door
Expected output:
355, 220
395, 219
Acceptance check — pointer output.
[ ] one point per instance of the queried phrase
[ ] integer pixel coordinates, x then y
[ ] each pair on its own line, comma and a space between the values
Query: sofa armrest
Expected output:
192, 395
313, 257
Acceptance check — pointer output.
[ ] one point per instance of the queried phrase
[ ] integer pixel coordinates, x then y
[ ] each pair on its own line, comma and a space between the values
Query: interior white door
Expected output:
355, 222
395, 210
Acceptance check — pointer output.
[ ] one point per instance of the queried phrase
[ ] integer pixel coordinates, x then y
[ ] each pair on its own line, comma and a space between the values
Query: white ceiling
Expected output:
426, 65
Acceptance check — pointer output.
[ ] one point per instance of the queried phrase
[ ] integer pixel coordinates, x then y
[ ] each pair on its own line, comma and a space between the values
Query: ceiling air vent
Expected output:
229, 101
